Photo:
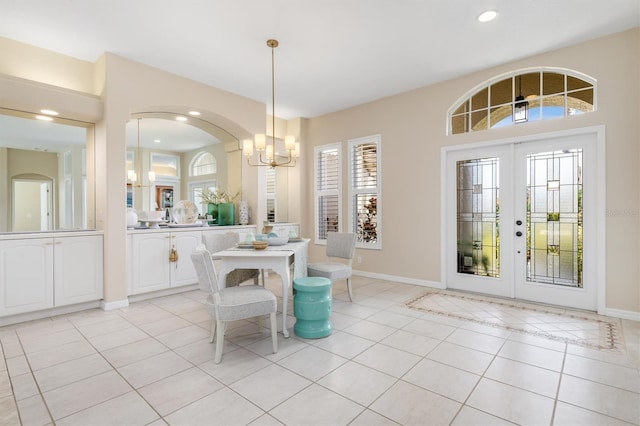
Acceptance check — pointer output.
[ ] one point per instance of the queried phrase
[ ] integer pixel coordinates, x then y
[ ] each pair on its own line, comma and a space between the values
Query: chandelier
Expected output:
132, 175
267, 153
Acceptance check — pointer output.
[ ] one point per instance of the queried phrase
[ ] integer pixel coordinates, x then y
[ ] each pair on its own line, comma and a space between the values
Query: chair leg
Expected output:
274, 332
349, 289
213, 330
262, 275
221, 326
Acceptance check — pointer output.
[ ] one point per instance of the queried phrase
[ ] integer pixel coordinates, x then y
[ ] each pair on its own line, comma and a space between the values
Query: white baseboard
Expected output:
398, 279
110, 306
46, 313
160, 293
622, 314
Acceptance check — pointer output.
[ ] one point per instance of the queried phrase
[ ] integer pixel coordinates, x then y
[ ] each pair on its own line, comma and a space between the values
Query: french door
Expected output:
521, 220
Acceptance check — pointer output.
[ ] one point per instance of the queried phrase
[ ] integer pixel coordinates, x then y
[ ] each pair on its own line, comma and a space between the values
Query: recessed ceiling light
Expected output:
49, 112
181, 118
487, 16
44, 118
156, 140
194, 113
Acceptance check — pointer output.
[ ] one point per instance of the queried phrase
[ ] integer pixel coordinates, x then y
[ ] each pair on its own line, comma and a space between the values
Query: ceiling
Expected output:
333, 54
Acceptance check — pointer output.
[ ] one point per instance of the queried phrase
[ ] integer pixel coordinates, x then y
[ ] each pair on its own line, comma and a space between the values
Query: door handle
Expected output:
518, 234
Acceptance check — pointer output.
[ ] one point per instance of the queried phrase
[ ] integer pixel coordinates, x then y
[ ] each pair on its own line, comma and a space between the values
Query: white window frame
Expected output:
320, 193
197, 158
513, 75
153, 160
271, 196
199, 185
354, 191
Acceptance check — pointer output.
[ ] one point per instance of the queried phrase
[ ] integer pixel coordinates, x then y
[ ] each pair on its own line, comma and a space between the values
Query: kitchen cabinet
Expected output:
151, 267
48, 272
78, 270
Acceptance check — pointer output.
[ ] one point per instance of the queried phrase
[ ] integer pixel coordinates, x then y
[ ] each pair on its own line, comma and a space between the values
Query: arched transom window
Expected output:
204, 163
520, 97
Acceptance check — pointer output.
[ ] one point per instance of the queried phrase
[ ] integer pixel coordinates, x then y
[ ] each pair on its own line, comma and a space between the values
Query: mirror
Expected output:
46, 180
185, 158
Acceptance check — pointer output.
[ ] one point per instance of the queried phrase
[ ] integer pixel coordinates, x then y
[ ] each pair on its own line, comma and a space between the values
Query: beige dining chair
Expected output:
339, 256
218, 242
232, 304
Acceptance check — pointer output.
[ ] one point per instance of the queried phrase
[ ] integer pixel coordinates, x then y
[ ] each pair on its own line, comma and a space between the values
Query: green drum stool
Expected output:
312, 307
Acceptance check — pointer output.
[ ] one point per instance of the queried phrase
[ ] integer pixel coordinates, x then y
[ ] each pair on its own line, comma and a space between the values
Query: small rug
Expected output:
564, 325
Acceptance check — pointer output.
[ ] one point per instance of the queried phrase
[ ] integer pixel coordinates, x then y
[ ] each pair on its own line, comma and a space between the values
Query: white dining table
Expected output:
276, 258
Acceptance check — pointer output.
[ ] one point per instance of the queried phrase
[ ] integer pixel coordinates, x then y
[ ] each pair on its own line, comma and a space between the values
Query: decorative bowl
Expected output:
185, 212
277, 241
260, 245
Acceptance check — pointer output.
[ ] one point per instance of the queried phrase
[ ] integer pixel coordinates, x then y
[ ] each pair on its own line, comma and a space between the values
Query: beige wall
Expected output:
131, 87
413, 126
36, 64
125, 87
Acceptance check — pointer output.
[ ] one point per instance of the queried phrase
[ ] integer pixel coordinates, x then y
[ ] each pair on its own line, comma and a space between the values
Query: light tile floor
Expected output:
384, 364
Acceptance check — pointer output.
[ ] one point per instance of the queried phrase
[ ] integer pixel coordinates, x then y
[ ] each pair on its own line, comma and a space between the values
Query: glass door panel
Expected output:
477, 181
478, 205
554, 217
555, 259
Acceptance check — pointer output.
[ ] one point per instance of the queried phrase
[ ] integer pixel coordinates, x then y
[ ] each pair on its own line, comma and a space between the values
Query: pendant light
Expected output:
520, 105
266, 153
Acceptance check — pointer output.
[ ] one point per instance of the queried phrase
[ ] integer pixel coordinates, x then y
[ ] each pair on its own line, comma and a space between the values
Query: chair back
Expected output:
207, 276
341, 244
218, 242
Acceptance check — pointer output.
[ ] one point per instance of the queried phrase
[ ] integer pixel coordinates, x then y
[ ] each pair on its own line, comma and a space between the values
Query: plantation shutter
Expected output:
327, 190
364, 189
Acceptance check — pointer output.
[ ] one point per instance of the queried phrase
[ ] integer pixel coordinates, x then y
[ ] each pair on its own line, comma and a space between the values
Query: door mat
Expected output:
563, 325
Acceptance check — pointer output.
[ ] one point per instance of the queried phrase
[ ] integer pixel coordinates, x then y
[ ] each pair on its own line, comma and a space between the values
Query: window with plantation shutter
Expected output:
271, 194
365, 196
328, 178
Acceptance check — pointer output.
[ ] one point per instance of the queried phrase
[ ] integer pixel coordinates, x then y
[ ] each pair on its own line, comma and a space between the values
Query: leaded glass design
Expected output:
478, 214
554, 218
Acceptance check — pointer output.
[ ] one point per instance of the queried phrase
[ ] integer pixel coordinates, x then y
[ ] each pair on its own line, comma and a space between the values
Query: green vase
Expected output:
212, 210
226, 214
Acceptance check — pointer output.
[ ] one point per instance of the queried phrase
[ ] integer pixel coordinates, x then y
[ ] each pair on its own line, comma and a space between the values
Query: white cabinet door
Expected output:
26, 275
77, 269
150, 262
182, 271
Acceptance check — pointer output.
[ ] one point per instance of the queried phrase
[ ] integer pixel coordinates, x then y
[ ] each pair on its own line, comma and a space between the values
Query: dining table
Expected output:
277, 258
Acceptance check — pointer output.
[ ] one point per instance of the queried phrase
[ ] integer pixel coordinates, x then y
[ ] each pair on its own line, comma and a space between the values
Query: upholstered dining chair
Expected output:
231, 304
339, 246
218, 242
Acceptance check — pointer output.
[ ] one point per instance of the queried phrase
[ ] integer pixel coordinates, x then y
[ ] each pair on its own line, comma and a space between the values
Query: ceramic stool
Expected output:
312, 307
